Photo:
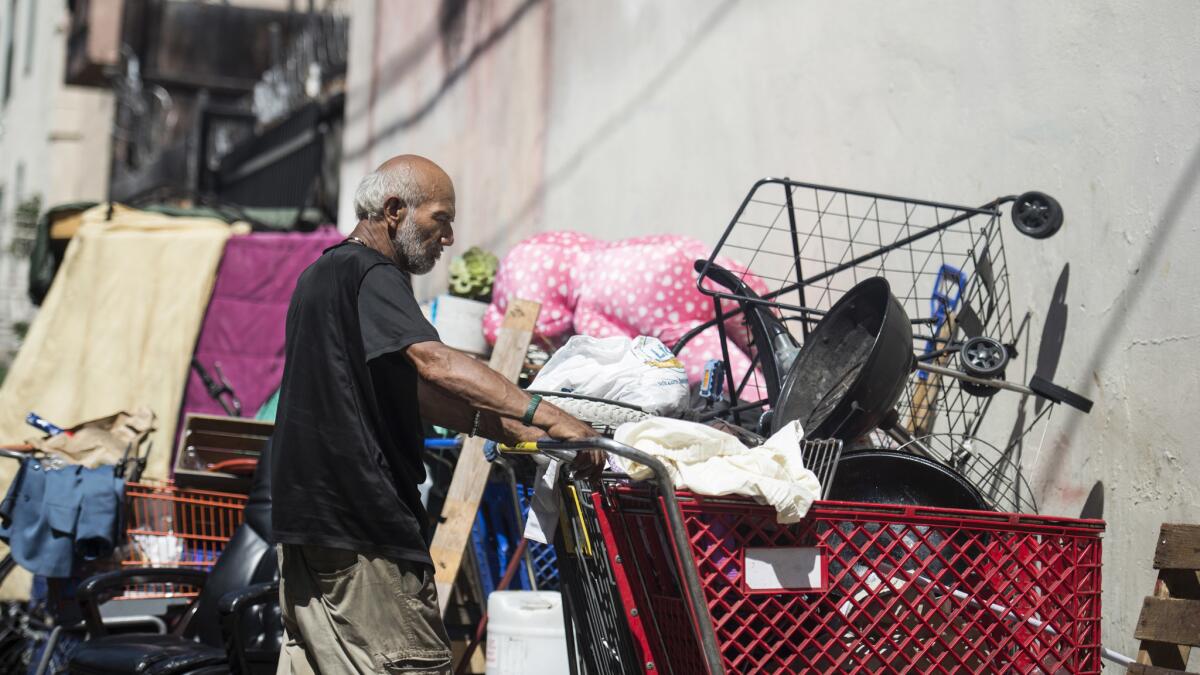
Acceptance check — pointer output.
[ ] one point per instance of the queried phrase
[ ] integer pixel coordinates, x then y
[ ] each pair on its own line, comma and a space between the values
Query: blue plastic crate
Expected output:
495, 537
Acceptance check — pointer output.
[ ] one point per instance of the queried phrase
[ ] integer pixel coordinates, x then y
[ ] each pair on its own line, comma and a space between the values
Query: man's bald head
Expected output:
406, 210
412, 179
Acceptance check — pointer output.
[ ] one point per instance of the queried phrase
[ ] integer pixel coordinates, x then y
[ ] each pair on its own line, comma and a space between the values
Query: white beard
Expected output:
407, 244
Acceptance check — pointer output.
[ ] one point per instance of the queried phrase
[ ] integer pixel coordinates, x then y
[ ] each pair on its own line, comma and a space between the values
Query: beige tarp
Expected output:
117, 330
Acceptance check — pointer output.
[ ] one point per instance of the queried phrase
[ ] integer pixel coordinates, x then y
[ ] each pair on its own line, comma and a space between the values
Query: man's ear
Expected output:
394, 211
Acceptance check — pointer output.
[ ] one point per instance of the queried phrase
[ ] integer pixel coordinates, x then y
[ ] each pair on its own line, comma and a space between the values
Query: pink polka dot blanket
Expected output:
638, 286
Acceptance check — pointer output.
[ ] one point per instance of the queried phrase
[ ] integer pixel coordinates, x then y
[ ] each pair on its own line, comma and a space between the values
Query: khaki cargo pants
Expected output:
349, 613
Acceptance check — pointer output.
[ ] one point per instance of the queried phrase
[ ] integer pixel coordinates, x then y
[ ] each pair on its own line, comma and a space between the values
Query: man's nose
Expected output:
447, 237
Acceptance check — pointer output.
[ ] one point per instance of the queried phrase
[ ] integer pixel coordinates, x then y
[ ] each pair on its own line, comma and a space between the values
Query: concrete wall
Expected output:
632, 116
54, 139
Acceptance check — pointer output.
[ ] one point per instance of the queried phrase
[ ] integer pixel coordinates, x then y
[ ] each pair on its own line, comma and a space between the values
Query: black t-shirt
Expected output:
348, 437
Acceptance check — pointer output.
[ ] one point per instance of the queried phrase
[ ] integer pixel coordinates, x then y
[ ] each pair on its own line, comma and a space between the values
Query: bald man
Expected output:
364, 369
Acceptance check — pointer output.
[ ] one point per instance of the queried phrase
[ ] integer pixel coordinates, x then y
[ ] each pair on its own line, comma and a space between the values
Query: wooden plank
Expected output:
1169, 620
471, 473
923, 411
1163, 654
1178, 547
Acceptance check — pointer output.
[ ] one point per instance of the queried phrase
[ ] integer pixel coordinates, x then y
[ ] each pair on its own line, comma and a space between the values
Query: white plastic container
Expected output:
459, 322
525, 633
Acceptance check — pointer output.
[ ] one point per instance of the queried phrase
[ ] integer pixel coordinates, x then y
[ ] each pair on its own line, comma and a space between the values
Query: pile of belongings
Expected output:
700, 458
64, 506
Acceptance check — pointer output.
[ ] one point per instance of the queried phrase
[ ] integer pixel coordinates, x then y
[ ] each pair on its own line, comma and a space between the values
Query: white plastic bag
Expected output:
711, 462
640, 372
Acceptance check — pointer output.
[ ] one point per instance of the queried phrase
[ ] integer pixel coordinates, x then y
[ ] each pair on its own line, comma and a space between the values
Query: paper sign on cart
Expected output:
797, 568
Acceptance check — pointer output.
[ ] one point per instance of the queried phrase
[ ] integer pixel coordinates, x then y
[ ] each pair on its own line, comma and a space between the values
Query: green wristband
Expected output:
534, 400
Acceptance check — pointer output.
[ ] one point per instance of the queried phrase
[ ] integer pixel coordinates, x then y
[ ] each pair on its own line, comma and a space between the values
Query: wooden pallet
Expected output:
1169, 625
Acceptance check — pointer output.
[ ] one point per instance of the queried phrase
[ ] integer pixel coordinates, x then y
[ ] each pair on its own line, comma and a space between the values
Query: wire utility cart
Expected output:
804, 245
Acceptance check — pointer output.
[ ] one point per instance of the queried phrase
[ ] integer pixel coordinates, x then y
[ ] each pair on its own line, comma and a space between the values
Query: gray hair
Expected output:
381, 185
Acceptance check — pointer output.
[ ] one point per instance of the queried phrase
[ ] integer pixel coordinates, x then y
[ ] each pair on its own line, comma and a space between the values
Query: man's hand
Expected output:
588, 463
567, 428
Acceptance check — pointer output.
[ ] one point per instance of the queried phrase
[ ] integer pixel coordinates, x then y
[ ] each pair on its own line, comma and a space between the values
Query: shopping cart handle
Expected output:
694, 593
555, 449
492, 450
526, 447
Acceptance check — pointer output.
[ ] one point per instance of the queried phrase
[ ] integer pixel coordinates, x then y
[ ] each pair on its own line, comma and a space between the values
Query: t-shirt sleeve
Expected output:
388, 314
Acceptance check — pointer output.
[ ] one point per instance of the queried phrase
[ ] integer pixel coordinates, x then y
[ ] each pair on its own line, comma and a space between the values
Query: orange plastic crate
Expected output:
169, 526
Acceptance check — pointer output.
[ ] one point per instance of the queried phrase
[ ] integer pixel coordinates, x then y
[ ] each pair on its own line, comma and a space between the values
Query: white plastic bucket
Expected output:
525, 633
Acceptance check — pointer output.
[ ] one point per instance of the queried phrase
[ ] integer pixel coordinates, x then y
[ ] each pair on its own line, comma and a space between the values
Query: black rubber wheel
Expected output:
983, 357
980, 390
1037, 215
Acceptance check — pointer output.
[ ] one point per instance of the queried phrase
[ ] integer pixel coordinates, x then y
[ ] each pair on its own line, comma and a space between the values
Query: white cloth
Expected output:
711, 462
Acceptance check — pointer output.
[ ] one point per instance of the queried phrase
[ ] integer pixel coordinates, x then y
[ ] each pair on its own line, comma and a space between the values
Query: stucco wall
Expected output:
631, 116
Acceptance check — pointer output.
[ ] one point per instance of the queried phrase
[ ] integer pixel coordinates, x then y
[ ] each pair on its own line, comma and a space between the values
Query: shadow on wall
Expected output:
449, 33
1054, 331
1093, 507
1156, 244
452, 23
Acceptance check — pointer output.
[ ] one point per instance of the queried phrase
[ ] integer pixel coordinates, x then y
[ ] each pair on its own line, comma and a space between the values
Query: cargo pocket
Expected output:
426, 663
334, 576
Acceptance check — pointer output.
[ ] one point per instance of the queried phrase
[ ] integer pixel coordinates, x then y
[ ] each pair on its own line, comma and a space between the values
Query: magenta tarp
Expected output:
243, 326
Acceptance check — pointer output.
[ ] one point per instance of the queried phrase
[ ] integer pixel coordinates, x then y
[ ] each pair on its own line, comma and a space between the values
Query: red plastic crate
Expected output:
892, 589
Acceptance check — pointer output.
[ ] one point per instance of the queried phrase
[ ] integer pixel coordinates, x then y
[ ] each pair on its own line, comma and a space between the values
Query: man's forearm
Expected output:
446, 410
507, 430
474, 383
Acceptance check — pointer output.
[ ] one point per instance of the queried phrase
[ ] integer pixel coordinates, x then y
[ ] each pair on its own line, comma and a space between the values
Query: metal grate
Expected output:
994, 472
821, 457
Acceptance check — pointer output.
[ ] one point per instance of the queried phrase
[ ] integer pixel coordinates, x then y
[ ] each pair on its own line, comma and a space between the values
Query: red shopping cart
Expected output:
714, 584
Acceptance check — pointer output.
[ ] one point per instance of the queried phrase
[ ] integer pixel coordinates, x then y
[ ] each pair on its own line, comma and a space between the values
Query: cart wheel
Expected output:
983, 357
980, 390
1037, 214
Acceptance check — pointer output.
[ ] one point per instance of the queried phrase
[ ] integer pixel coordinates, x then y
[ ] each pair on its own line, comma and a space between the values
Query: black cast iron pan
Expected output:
852, 369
